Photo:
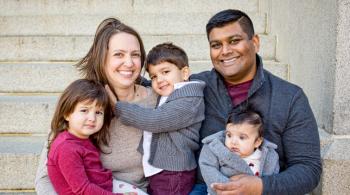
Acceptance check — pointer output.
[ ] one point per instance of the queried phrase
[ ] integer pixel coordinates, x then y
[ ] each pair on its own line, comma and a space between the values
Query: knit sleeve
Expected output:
171, 116
210, 168
71, 165
301, 146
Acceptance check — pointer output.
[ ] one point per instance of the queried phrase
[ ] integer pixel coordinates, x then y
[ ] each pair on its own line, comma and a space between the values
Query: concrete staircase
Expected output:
40, 40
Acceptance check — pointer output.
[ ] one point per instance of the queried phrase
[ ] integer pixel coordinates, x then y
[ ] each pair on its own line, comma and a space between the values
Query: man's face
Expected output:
233, 53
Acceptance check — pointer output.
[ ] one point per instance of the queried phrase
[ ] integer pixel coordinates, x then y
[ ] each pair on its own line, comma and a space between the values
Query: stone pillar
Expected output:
336, 155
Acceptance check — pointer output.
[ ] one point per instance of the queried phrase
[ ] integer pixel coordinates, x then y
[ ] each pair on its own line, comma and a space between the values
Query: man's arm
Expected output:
301, 147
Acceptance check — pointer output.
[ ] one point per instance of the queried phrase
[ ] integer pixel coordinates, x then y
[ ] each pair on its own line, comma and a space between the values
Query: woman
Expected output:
115, 59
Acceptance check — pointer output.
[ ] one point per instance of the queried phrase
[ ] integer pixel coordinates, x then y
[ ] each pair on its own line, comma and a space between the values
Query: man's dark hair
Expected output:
229, 16
249, 117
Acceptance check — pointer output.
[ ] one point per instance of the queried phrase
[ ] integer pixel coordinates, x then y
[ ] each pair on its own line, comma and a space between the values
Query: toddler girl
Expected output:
78, 129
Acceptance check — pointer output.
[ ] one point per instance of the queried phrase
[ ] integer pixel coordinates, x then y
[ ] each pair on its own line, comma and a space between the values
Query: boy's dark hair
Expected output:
249, 117
229, 16
167, 52
81, 90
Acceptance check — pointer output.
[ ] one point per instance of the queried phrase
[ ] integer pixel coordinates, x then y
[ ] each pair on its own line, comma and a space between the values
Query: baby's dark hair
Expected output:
249, 117
167, 52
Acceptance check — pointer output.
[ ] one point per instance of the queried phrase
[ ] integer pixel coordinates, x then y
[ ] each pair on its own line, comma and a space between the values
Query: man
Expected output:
238, 81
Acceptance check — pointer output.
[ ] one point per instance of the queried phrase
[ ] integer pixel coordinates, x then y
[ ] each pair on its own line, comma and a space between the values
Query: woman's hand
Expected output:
112, 98
240, 184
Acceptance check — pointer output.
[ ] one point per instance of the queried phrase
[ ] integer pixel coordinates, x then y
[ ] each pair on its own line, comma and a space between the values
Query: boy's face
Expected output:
242, 139
165, 75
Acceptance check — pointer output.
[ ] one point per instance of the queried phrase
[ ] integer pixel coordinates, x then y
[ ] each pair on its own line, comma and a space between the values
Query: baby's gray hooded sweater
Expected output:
217, 163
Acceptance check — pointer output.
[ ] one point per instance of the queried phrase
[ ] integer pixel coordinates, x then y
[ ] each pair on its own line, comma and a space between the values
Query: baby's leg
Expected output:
123, 187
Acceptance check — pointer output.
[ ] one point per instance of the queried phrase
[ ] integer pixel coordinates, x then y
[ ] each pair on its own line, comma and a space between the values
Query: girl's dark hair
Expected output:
249, 117
79, 91
225, 17
92, 66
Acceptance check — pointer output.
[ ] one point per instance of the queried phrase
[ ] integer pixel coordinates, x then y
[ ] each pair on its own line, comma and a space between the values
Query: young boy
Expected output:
171, 130
240, 149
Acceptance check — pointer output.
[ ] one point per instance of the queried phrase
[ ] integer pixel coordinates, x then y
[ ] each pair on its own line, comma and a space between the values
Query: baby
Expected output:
240, 149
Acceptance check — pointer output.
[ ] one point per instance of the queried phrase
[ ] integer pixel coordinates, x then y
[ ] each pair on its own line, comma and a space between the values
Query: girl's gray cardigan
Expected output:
175, 126
217, 163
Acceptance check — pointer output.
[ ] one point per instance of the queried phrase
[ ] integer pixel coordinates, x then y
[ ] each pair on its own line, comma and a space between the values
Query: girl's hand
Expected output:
130, 193
111, 96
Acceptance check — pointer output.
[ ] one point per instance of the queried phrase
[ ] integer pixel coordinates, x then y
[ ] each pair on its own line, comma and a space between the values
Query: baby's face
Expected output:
165, 75
242, 139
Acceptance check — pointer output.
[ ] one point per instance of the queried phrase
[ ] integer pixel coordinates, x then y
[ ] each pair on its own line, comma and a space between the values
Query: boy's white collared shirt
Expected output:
148, 169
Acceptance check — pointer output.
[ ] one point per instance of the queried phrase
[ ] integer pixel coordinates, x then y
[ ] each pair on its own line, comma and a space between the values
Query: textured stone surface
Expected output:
26, 114
342, 77
72, 48
19, 160
112, 7
66, 7
309, 48
336, 168
145, 23
36, 77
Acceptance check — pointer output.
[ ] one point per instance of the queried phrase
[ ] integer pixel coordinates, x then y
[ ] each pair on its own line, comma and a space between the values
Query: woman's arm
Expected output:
43, 185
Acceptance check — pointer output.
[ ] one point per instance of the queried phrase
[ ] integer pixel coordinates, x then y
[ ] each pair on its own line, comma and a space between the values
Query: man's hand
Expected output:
112, 98
240, 185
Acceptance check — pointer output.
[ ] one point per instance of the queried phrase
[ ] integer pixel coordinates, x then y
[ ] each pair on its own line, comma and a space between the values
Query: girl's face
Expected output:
123, 64
85, 120
242, 139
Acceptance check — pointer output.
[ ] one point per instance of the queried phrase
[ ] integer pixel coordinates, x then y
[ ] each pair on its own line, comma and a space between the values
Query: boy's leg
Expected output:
172, 182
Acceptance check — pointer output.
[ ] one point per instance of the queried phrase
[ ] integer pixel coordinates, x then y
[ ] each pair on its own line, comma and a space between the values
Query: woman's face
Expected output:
123, 64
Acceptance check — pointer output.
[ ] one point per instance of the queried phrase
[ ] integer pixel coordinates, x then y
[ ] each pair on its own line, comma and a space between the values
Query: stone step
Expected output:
53, 77
19, 157
112, 7
36, 77
26, 114
335, 161
17, 192
145, 23
72, 48
32, 113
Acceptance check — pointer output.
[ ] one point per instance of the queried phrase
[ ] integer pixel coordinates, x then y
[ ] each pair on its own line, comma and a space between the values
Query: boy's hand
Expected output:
111, 96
